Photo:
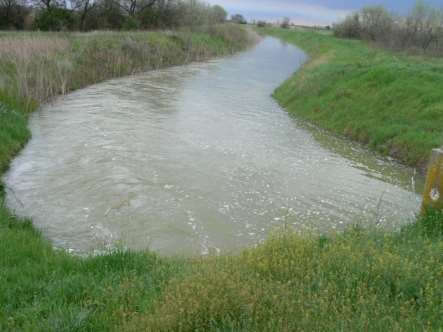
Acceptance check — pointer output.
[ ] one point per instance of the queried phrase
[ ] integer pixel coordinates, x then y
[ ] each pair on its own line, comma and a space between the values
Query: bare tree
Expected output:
423, 25
376, 22
84, 7
133, 7
49, 4
349, 28
421, 30
7, 7
219, 14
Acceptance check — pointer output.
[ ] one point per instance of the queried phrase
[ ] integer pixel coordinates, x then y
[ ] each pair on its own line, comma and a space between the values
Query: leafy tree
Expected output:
238, 18
55, 19
286, 23
261, 24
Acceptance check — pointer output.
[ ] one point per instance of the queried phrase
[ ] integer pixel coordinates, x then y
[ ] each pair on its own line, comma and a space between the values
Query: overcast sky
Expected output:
310, 12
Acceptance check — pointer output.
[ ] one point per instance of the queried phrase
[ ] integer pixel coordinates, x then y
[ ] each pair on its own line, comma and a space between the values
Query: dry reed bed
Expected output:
38, 66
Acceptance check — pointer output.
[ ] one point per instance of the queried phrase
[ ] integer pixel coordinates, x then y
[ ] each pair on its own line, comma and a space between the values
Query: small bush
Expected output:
286, 23
262, 24
349, 28
130, 24
55, 19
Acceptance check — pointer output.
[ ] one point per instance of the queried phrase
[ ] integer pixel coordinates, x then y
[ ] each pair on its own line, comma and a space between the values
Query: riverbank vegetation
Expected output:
86, 15
392, 102
420, 32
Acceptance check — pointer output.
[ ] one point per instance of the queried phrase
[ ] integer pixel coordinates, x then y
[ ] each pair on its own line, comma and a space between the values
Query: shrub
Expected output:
239, 19
55, 19
286, 23
421, 31
261, 24
376, 22
349, 28
130, 24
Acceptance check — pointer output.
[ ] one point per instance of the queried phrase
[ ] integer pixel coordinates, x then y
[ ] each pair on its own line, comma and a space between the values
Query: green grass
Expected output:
356, 281
359, 280
391, 102
46, 290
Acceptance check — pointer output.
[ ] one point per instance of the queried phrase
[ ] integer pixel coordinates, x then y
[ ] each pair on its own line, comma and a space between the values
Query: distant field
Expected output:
391, 102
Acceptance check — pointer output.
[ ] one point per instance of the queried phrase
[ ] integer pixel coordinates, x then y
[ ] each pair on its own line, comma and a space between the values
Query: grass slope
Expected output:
356, 281
359, 280
391, 102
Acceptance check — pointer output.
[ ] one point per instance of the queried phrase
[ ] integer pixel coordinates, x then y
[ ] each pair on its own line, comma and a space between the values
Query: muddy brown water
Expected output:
196, 159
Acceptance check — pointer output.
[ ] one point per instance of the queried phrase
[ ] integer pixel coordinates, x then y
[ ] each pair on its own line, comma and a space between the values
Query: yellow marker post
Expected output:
433, 194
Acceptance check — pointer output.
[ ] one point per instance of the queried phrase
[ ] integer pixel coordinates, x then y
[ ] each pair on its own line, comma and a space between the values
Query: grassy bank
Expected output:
391, 102
359, 280
356, 281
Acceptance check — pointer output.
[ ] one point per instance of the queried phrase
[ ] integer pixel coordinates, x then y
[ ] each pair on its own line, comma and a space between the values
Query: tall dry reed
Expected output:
38, 66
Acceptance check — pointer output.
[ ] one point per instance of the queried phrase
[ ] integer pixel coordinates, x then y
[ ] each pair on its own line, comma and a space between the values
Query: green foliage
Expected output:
42, 289
87, 15
13, 131
261, 24
55, 19
130, 24
238, 19
391, 102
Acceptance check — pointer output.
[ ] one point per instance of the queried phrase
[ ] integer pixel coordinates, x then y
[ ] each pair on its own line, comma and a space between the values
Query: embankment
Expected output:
393, 103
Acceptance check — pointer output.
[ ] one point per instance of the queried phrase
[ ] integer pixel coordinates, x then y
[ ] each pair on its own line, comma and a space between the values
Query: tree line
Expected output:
85, 15
419, 31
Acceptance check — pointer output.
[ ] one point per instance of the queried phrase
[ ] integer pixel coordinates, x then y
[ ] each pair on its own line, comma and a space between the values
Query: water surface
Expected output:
194, 160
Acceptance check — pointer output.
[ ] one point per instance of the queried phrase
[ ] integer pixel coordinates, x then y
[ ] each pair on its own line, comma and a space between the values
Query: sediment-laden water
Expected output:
194, 160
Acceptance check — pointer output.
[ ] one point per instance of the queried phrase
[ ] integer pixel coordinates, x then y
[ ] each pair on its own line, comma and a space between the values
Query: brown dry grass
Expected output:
26, 48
